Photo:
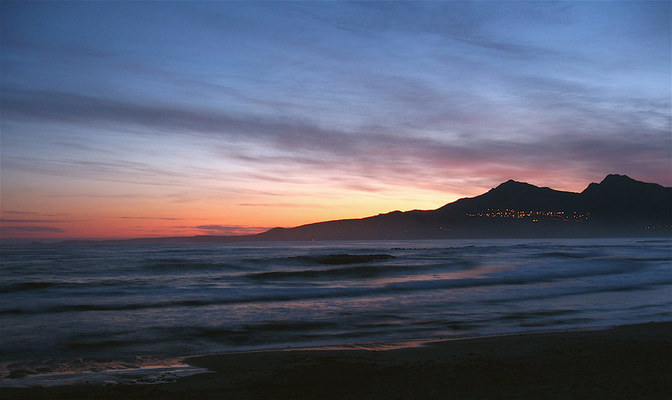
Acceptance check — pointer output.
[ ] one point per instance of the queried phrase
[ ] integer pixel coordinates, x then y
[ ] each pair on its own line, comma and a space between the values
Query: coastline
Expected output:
631, 361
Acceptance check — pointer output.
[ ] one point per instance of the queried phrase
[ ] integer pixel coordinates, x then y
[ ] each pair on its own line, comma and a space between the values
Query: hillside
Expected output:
617, 206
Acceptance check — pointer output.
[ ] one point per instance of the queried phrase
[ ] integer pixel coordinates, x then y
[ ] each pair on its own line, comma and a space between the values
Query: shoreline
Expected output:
630, 361
164, 369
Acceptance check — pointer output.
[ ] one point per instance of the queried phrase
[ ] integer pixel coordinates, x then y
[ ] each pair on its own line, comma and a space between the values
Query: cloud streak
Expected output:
590, 135
22, 229
230, 229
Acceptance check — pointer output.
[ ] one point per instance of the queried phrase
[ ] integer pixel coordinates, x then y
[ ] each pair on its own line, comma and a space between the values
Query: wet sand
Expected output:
628, 362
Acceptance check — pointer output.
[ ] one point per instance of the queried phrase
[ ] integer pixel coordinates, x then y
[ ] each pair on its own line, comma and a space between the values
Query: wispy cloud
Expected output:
592, 134
154, 218
282, 205
26, 221
231, 229
34, 213
18, 229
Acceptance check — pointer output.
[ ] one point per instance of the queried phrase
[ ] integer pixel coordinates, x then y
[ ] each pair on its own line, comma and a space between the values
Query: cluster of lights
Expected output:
658, 227
533, 215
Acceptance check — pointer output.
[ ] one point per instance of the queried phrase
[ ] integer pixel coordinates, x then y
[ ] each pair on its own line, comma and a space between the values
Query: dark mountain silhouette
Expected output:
621, 198
617, 206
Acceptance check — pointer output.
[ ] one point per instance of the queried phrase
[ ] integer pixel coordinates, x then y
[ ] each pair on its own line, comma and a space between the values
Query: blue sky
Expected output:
244, 115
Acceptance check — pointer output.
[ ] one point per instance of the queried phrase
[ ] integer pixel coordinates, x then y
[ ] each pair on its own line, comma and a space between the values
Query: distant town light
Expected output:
535, 216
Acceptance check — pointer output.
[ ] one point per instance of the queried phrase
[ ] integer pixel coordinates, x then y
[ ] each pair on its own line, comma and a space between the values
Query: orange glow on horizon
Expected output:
118, 218
36, 213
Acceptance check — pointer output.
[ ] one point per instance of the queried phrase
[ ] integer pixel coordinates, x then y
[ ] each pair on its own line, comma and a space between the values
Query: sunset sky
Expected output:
136, 119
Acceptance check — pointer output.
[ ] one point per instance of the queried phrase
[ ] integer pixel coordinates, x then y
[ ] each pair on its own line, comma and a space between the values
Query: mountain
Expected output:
617, 206
619, 197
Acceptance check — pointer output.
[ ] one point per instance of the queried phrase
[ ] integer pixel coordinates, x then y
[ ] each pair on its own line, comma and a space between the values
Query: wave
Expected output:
647, 259
355, 272
552, 294
310, 293
555, 322
249, 333
563, 254
323, 259
44, 285
358, 271
518, 279
25, 286
184, 264
341, 259
525, 315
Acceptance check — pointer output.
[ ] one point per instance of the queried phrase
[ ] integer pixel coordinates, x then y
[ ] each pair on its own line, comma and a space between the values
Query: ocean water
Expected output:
97, 307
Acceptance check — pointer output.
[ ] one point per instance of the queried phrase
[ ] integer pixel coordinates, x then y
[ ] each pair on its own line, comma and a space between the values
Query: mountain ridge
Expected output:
619, 206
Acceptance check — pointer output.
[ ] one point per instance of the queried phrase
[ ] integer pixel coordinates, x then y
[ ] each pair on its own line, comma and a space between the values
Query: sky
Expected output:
143, 119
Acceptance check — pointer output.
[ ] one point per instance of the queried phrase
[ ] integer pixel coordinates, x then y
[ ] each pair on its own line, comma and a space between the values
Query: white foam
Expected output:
136, 376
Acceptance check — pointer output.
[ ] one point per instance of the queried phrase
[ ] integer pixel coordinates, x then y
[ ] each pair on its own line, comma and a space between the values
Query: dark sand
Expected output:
629, 362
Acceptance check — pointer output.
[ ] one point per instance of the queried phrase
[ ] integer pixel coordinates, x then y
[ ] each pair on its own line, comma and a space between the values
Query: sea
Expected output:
128, 312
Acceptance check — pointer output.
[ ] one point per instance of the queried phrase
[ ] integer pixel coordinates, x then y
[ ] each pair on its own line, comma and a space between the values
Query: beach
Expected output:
627, 362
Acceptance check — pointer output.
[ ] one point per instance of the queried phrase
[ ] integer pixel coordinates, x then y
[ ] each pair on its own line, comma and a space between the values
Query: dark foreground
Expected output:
630, 362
